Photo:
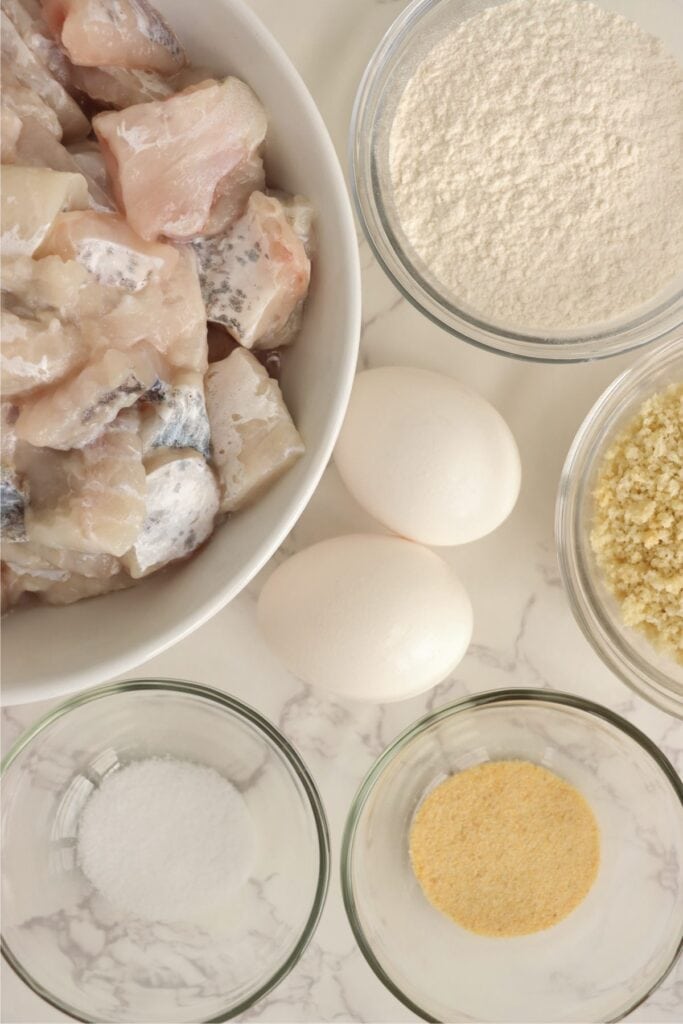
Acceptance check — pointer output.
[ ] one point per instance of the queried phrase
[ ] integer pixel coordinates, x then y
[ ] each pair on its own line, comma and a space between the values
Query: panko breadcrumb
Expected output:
505, 848
637, 530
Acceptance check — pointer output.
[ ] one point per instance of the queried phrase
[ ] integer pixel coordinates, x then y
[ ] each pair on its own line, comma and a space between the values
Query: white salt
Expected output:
166, 839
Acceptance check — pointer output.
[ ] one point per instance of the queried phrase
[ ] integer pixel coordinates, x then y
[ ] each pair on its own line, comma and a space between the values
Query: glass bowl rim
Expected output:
589, 440
240, 710
511, 695
406, 278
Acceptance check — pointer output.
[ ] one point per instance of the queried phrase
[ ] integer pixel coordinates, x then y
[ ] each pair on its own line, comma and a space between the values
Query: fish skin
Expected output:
178, 418
254, 440
74, 414
255, 277
13, 502
108, 249
102, 508
170, 161
181, 507
114, 33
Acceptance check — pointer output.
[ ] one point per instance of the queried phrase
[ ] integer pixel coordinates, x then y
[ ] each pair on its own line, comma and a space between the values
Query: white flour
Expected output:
537, 162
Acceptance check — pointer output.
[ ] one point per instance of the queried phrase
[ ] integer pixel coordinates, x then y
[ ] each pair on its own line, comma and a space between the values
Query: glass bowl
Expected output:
97, 963
598, 963
626, 652
404, 46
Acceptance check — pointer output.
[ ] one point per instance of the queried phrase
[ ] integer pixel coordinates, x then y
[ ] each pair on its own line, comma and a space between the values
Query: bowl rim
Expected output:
513, 696
580, 345
647, 681
62, 682
236, 708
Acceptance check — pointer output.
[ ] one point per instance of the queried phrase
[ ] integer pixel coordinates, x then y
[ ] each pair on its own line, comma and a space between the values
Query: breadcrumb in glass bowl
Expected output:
618, 526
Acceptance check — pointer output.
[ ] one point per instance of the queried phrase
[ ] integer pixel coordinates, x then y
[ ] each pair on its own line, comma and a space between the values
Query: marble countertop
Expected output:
524, 633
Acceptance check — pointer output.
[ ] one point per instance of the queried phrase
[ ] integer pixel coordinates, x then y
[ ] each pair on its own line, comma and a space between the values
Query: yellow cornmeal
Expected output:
637, 533
505, 848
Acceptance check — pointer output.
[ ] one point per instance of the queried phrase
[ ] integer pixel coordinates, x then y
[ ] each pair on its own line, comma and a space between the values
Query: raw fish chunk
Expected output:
181, 506
37, 148
121, 87
255, 277
177, 418
103, 507
301, 216
253, 436
169, 161
65, 289
23, 556
75, 413
108, 249
28, 106
37, 351
31, 199
29, 22
119, 33
27, 69
76, 588
170, 315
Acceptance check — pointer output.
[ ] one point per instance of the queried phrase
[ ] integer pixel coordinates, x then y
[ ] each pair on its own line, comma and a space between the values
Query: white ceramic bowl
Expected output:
48, 652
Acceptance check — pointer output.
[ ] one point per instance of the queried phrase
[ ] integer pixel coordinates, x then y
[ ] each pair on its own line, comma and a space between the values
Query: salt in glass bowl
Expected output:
97, 963
404, 46
628, 653
601, 961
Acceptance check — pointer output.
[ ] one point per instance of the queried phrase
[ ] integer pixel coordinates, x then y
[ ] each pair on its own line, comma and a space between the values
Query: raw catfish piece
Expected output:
170, 161
27, 70
27, 18
255, 277
108, 249
37, 351
169, 314
76, 587
178, 417
36, 147
181, 506
27, 105
25, 556
119, 33
103, 507
74, 414
253, 437
31, 199
63, 288
121, 87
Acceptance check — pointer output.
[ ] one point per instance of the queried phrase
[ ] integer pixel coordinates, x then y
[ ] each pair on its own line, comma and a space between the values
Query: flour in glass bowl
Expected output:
535, 159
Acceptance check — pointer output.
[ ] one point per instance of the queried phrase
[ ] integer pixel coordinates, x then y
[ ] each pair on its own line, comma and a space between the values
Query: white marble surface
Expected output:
524, 633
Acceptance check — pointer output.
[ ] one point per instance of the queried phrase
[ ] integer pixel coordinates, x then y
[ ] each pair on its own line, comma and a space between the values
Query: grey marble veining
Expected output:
524, 633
